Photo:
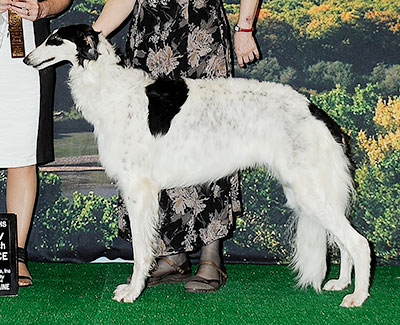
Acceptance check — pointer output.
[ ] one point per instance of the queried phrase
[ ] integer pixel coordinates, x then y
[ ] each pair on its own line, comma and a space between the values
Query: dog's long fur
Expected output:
155, 135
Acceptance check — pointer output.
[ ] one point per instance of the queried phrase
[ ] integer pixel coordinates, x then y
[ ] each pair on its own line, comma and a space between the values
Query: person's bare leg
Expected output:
21, 196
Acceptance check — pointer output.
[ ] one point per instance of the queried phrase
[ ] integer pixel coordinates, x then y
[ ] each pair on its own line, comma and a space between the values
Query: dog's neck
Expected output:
97, 78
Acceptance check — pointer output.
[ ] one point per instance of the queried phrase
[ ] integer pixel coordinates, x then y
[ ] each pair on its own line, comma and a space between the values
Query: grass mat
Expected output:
254, 294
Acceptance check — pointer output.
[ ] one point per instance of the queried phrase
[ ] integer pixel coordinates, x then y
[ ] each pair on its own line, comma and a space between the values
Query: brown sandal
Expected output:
214, 284
179, 274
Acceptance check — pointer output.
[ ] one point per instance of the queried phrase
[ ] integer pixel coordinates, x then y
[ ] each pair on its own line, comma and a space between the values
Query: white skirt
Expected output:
19, 104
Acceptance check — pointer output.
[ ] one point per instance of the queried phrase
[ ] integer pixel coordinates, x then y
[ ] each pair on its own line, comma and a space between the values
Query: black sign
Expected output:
8, 255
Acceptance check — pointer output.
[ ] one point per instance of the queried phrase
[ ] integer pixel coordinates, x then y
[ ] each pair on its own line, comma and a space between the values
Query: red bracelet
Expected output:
246, 30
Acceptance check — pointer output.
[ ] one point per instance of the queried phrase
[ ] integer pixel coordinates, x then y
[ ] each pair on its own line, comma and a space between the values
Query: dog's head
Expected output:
75, 43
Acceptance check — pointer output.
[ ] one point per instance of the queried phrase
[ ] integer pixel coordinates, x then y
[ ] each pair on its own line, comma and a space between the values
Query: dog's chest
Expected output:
124, 144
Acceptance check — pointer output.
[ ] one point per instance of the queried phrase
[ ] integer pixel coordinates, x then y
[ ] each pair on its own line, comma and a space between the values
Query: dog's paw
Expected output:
354, 300
126, 293
336, 285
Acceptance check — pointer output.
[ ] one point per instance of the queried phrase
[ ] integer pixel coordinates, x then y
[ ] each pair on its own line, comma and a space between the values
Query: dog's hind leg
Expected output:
346, 266
359, 251
141, 200
336, 223
329, 214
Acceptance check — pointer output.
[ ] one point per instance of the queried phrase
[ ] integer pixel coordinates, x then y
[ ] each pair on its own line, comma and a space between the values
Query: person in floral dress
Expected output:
186, 39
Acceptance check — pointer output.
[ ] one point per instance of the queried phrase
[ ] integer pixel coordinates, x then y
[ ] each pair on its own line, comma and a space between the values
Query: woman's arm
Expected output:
113, 15
245, 46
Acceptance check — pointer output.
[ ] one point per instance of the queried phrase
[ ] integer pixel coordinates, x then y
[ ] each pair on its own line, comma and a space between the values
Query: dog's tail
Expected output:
309, 259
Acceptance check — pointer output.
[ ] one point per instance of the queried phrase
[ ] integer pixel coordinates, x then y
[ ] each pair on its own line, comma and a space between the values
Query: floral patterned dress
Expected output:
175, 39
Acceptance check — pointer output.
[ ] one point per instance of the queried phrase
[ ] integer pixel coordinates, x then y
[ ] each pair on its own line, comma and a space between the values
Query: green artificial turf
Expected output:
254, 294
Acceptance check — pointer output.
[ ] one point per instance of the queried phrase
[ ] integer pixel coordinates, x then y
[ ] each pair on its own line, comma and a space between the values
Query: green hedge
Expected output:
64, 228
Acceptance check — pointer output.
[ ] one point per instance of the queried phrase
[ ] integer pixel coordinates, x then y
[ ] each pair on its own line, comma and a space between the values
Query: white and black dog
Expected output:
159, 134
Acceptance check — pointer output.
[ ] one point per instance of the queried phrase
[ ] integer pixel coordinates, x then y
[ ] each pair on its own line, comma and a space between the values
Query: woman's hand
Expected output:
29, 9
4, 5
245, 48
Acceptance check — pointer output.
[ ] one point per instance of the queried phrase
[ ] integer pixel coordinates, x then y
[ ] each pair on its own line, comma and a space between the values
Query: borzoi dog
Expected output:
160, 134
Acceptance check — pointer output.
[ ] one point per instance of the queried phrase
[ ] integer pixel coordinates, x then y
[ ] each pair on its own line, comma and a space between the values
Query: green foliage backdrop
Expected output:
344, 55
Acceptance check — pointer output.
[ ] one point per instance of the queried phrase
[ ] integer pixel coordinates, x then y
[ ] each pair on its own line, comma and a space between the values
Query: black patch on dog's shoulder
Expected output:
165, 100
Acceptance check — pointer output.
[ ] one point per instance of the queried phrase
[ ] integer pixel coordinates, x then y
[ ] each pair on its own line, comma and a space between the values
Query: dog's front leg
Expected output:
141, 200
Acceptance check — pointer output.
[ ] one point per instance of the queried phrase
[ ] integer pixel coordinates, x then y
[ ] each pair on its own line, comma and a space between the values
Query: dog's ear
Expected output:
92, 51
87, 50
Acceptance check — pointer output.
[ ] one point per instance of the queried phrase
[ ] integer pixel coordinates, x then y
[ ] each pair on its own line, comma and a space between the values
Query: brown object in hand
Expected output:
16, 35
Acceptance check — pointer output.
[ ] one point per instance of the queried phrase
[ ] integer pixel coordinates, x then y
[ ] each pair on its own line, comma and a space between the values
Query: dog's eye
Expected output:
54, 40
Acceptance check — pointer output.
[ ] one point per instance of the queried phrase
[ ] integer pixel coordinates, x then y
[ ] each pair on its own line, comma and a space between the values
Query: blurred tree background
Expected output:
344, 55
